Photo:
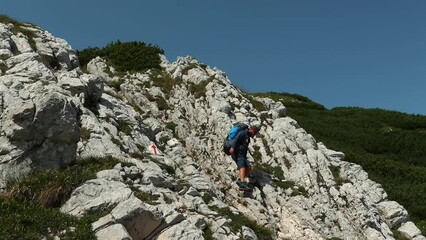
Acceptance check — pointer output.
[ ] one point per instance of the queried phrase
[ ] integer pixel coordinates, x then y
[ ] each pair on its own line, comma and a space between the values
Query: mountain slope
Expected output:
166, 126
389, 145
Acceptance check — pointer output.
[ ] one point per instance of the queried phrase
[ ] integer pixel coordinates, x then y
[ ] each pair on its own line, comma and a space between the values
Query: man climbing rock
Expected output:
238, 150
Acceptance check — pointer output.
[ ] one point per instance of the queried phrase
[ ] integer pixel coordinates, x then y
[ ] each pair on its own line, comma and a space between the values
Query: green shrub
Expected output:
125, 56
88, 54
390, 146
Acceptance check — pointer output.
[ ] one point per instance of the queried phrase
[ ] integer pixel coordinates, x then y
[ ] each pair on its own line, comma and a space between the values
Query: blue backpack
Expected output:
231, 135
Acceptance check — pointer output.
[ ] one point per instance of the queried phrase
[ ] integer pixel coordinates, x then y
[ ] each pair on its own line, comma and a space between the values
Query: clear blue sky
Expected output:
365, 53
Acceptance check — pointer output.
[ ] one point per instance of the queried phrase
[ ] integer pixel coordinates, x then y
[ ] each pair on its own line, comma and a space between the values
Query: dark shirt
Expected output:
240, 143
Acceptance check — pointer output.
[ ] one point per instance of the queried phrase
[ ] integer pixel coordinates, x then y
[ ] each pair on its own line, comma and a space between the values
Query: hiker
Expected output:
238, 150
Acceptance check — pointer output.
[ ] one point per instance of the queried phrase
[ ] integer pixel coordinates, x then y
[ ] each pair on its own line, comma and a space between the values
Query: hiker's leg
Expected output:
244, 168
242, 174
241, 166
247, 171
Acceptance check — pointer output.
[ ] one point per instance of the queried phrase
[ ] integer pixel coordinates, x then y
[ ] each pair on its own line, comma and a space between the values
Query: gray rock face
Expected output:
95, 195
39, 122
31, 133
174, 182
116, 232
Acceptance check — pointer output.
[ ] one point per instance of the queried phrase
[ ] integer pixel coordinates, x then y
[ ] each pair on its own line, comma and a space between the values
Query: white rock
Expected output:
113, 232
409, 230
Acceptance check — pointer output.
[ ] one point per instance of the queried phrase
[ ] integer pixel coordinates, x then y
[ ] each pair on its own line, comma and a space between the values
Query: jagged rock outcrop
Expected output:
52, 113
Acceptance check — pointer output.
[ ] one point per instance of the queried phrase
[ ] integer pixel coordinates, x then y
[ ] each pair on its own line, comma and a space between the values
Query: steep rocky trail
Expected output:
167, 127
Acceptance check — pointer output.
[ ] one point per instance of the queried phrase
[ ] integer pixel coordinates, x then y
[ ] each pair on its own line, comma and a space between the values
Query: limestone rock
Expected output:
393, 213
114, 232
95, 195
173, 181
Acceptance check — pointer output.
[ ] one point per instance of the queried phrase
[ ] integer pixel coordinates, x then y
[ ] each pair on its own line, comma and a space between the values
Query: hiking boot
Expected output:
244, 187
238, 182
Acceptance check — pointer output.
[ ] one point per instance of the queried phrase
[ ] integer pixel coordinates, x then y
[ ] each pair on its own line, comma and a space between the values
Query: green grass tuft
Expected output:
238, 221
53, 188
27, 221
29, 208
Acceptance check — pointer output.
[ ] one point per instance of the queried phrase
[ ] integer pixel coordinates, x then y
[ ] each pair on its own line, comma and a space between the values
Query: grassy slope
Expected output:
389, 145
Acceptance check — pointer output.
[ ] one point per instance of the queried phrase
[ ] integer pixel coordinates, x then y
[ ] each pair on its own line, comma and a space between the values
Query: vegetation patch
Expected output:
390, 146
3, 68
275, 171
164, 80
162, 142
239, 220
199, 90
169, 169
84, 134
189, 67
258, 105
145, 197
117, 142
162, 104
265, 145
124, 127
285, 184
20, 27
287, 163
115, 84
124, 56
320, 178
300, 191
53, 188
20, 220
256, 154
207, 197
208, 233
335, 170
29, 208
159, 100
291, 100
172, 126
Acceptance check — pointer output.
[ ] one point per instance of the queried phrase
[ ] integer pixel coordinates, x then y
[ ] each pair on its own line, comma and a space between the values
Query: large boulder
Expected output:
40, 133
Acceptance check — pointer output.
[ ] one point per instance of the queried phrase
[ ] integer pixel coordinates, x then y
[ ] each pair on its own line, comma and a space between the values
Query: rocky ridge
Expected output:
52, 113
